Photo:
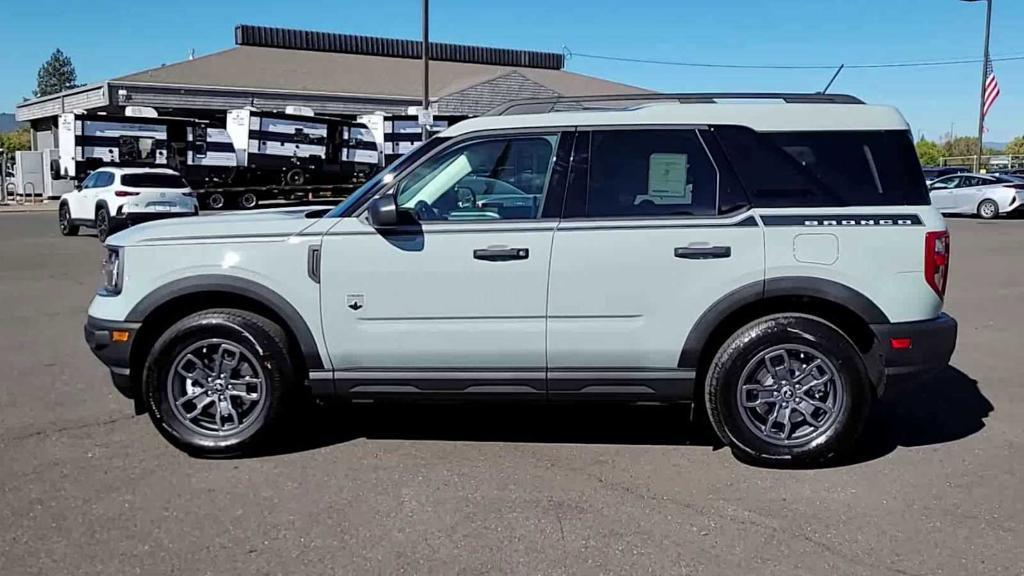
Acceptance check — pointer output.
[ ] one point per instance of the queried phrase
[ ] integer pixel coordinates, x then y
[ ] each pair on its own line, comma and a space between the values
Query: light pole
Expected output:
426, 65
984, 78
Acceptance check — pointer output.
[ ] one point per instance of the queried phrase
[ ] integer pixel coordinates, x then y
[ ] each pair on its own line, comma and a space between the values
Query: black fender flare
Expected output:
807, 286
234, 285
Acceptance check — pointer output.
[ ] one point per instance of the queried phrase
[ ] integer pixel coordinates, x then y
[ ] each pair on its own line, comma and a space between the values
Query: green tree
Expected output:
56, 75
928, 152
960, 146
1016, 146
17, 140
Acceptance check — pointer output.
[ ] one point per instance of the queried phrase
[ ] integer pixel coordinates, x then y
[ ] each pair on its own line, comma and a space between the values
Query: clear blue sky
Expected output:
106, 38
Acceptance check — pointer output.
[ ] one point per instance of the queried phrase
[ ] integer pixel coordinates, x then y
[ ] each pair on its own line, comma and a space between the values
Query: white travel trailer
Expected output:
298, 148
88, 141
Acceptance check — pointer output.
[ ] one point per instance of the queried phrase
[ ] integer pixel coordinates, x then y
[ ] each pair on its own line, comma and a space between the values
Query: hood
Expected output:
253, 224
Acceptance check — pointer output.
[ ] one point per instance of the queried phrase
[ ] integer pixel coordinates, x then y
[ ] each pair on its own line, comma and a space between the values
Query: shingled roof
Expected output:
331, 73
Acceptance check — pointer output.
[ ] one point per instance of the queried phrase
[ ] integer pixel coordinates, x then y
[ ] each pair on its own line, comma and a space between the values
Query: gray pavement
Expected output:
86, 488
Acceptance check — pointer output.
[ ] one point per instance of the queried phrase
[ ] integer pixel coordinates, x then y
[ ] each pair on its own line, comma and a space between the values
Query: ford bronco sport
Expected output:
776, 262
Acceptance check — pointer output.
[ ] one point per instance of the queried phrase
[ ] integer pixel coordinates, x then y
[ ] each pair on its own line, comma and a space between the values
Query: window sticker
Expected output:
667, 177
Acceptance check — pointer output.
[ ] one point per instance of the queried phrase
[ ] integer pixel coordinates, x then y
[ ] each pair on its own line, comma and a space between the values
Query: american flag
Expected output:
991, 86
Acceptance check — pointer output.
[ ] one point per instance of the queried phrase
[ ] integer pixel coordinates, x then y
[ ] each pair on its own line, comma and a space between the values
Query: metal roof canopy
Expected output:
288, 38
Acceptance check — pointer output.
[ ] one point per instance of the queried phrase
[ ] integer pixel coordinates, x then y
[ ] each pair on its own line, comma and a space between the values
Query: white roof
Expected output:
760, 117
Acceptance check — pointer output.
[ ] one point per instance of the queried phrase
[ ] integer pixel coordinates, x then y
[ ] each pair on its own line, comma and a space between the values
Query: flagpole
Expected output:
984, 80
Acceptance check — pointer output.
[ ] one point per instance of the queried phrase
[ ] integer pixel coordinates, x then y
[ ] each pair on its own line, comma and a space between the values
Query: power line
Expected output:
570, 54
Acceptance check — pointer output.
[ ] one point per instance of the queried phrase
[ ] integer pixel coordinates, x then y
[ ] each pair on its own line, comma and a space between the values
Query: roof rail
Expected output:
544, 105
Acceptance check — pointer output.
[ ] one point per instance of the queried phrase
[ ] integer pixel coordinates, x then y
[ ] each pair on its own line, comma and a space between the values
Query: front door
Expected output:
454, 300
640, 253
82, 203
941, 192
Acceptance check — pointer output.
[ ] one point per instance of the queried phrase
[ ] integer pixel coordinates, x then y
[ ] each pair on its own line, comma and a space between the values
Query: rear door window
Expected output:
837, 168
144, 180
650, 173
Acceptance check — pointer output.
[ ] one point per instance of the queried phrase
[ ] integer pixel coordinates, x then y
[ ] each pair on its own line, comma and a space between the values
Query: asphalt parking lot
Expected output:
87, 488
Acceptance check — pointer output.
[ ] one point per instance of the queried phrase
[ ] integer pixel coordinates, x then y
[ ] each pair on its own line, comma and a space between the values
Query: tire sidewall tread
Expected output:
261, 337
725, 369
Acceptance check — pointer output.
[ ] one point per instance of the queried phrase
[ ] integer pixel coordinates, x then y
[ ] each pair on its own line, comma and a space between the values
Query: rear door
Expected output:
967, 196
643, 249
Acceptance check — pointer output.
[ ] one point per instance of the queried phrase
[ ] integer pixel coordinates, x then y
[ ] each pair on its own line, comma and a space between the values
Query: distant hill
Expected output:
1000, 146
8, 123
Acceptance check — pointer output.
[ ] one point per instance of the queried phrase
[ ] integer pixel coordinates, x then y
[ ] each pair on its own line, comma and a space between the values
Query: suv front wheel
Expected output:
788, 388
217, 381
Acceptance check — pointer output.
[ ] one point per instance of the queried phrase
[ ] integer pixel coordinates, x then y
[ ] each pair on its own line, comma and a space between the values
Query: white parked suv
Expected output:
796, 270
111, 199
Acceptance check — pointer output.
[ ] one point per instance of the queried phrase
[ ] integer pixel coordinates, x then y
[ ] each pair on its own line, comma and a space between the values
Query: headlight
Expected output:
113, 272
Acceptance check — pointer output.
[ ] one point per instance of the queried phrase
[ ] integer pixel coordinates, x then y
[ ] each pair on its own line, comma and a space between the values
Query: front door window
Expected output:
498, 179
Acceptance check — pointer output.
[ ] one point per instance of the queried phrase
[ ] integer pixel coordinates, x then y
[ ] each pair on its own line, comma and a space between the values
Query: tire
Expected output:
248, 200
103, 224
215, 201
988, 209
258, 350
295, 177
741, 373
64, 221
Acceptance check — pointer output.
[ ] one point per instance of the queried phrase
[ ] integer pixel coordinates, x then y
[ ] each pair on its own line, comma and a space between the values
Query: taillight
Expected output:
936, 260
125, 193
190, 193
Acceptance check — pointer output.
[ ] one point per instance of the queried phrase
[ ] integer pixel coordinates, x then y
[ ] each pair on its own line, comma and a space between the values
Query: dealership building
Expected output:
332, 74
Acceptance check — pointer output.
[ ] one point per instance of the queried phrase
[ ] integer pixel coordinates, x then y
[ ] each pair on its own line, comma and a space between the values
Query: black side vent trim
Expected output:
268, 37
313, 263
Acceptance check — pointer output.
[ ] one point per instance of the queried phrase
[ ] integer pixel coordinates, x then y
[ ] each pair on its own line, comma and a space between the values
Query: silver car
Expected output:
986, 195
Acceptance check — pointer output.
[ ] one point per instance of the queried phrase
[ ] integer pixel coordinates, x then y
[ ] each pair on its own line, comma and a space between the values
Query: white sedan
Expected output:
986, 195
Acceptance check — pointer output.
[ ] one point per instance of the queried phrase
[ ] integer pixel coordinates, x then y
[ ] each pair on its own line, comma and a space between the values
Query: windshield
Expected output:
152, 180
367, 190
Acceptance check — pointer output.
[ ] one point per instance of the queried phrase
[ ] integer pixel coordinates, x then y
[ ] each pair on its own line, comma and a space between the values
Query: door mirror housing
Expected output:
383, 211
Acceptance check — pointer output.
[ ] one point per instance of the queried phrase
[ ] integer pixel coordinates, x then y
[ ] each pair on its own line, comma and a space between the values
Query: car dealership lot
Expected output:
85, 487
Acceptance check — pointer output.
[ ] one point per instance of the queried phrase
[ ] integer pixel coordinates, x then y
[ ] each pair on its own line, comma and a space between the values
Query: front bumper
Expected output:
913, 350
116, 355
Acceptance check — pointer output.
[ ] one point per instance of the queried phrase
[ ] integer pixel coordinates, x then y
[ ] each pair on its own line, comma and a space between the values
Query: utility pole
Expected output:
426, 66
984, 78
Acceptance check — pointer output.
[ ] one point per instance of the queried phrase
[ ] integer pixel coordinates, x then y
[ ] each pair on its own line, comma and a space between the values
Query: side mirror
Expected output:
78, 187
383, 212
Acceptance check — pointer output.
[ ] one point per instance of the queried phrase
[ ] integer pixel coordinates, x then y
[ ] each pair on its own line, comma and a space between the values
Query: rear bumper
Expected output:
931, 344
115, 355
133, 218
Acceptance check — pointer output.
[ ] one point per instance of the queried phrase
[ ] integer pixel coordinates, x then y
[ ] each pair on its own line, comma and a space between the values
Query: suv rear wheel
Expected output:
217, 381
988, 209
104, 226
788, 388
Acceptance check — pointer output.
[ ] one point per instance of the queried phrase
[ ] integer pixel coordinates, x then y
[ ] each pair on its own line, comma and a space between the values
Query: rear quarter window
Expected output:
143, 180
826, 169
